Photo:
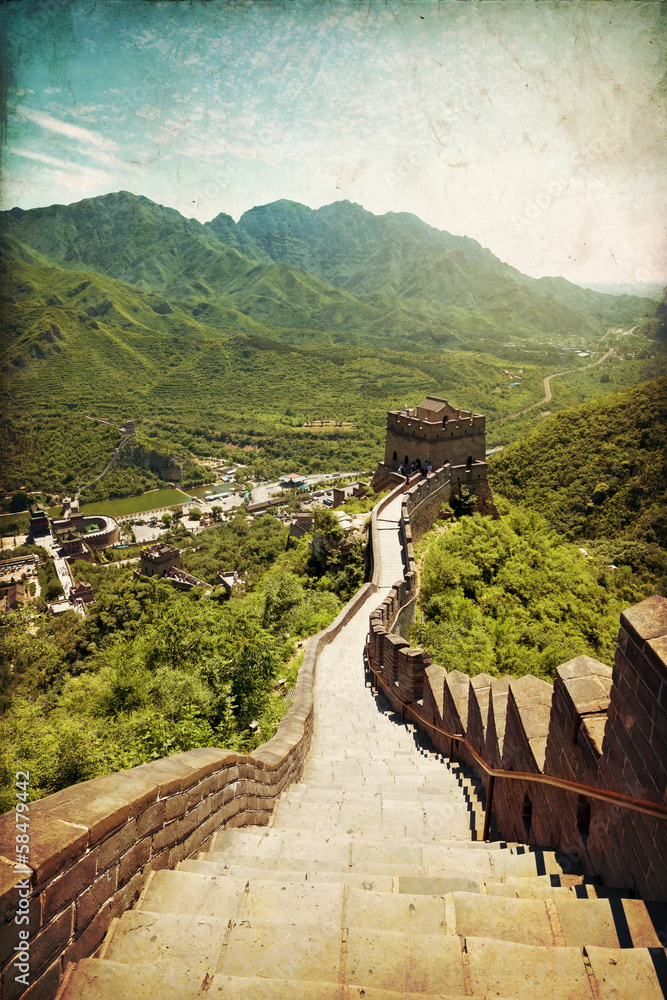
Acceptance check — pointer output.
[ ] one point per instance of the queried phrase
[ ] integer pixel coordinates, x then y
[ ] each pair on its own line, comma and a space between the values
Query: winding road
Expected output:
548, 395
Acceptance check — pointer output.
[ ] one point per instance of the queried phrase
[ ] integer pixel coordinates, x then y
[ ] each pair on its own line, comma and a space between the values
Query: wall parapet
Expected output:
93, 845
602, 729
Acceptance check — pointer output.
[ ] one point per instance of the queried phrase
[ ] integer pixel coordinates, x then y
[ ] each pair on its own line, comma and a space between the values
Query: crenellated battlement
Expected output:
434, 433
602, 728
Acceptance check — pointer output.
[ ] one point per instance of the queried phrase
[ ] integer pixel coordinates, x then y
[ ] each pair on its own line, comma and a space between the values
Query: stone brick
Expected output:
647, 620
204, 809
62, 890
100, 805
632, 662
10, 881
84, 945
111, 849
150, 819
165, 837
53, 843
9, 931
133, 860
656, 652
93, 899
46, 987
50, 941
157, 862
126, 896
175, 807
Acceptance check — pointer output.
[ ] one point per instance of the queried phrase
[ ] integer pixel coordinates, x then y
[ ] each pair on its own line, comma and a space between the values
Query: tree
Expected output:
216, 513
19, 502
464, 503
195, 514
166, 520
328, 533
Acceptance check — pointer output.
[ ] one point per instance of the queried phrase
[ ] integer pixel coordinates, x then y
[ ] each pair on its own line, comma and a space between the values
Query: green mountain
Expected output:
596, 471
157, 250
338, 268
453, 278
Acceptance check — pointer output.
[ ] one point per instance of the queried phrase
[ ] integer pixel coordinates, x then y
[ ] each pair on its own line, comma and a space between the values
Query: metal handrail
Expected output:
654, 809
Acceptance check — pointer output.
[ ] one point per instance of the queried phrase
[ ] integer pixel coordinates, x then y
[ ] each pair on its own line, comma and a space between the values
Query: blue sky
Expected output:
535, 128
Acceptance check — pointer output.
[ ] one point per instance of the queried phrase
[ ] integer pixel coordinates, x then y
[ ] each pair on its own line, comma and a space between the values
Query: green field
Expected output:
19, 523
136, 505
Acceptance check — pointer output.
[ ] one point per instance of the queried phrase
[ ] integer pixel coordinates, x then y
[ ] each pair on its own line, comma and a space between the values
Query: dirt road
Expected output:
548, 395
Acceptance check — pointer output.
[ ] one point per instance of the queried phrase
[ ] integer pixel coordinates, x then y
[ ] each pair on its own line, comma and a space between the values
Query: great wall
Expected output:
363, 867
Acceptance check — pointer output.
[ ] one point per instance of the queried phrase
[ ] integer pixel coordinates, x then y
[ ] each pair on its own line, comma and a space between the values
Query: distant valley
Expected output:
225, 335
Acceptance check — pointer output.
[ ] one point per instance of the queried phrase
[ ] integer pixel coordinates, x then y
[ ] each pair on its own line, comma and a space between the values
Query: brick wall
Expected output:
603, 729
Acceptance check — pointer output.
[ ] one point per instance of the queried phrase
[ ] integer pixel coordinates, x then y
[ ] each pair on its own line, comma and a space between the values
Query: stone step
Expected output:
101, 979
382, 883
470, 865
337, 832
377, 831
360, 964
544, 888
348, 853
424, 963
546, 885
527, 972
560, 922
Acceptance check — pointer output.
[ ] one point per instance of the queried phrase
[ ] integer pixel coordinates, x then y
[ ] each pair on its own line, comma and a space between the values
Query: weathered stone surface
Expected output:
647, 620
53, 843
97, 979
621, 973
495, 725
504, 969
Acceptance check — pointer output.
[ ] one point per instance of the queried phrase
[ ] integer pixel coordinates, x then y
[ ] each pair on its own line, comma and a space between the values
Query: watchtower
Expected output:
435, 432
158, 559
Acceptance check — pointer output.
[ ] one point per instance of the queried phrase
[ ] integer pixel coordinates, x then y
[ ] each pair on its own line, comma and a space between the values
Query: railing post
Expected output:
489, 808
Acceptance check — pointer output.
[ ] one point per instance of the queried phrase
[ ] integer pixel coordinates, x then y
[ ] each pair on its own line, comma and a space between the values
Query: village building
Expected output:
343, 493
292, 480
14, 598
71, 543
228, 579
39, 521
300, 525
82, 592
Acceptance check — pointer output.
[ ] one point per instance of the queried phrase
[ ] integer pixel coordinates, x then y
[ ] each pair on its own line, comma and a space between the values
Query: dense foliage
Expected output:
510, 597
151, 671
598, 474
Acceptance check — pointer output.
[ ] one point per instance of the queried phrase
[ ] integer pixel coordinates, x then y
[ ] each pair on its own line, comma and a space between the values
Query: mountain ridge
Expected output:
338, 267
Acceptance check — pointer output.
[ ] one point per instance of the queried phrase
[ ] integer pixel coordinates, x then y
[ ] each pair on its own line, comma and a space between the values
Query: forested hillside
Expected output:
583, 535
454, 278
151, 671
596, 471
337, 268
511, 597
117, 307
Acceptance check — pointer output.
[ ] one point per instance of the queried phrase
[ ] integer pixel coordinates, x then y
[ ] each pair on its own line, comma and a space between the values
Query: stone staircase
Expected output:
370, 881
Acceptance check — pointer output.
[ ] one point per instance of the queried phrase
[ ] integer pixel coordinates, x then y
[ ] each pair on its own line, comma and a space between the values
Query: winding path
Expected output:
548, 395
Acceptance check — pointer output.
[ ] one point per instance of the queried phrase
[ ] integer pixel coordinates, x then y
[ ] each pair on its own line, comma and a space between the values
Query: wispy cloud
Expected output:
98, 147
90, 175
